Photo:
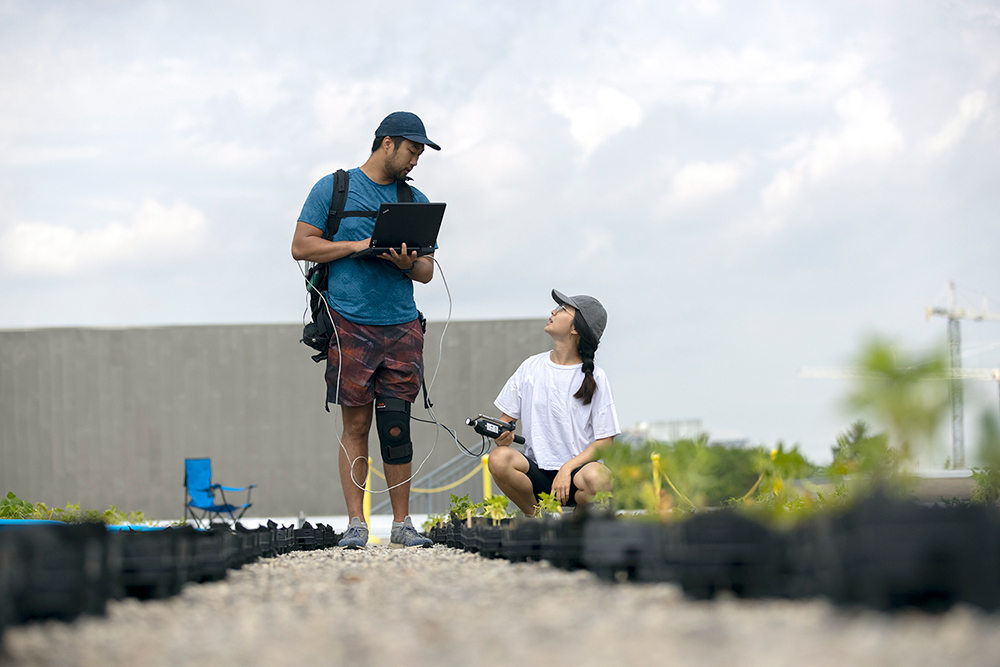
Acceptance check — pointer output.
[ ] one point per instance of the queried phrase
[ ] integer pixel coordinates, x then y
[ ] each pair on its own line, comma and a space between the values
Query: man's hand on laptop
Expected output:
401, 259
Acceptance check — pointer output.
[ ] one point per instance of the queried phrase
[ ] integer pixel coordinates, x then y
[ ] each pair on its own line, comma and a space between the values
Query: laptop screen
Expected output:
414, 223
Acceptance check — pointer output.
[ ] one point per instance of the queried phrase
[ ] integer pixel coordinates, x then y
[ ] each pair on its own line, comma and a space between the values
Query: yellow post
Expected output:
367, 503
487, 480
655, 458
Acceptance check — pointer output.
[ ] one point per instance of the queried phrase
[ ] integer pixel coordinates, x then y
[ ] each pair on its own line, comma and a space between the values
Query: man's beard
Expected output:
396, 169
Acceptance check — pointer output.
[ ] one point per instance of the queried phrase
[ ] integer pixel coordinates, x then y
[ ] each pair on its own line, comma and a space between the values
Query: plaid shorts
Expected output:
384, 360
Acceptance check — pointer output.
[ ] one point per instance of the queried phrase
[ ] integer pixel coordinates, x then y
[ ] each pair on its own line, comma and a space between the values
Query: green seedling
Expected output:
495, 507
603, 500
432, 521
461, 507
548, 504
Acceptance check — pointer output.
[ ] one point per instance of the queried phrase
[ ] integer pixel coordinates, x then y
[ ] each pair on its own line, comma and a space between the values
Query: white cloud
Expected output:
346, 111
672, 72
230, 155
596, 242
970, 109
708, 8
699, 180
156, 233
44, 155
595, 115
867, 133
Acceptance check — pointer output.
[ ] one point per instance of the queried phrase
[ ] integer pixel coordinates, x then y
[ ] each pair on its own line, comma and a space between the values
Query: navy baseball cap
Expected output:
407, 125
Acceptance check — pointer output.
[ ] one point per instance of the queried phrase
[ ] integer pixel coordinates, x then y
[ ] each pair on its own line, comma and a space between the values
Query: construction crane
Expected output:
955, 374
955, 314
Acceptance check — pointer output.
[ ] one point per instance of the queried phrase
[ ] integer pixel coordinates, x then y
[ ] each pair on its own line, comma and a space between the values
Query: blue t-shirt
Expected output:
365, 291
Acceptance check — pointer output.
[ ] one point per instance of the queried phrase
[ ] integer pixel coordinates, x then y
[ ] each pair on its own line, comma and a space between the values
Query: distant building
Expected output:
676, 429
663, 431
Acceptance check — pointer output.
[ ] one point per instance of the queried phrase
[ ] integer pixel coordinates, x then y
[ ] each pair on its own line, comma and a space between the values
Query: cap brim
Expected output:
559, 297
422, 140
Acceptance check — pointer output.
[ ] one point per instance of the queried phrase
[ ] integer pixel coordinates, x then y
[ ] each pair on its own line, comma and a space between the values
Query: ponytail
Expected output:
586, 347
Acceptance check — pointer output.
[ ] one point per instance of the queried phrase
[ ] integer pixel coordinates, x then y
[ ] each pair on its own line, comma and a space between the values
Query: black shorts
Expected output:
541, 481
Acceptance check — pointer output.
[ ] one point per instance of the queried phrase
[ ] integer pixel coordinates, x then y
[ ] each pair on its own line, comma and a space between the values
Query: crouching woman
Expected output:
566, 409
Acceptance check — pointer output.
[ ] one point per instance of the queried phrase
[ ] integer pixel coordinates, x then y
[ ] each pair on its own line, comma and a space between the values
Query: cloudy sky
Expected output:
750, 188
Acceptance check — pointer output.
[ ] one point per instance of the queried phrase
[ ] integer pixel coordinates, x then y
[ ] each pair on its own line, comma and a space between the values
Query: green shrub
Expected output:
987, 477
706, 474
13, 507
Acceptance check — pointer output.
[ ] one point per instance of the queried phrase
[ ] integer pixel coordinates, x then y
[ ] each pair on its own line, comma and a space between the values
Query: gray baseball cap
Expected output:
590, 310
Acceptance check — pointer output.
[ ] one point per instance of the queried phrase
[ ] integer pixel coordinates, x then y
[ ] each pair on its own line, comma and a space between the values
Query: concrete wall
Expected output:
107, 416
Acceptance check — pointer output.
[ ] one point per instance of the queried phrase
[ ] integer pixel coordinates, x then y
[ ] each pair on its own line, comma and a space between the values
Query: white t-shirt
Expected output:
555, 425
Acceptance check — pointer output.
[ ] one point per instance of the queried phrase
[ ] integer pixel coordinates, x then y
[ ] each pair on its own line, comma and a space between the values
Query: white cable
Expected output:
443, 331
329, 313
437, 367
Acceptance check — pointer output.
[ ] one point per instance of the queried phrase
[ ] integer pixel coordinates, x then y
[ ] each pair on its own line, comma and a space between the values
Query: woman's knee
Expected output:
501, 460
594, 478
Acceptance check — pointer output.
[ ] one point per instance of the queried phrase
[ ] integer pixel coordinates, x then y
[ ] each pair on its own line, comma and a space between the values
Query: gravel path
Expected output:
443, 606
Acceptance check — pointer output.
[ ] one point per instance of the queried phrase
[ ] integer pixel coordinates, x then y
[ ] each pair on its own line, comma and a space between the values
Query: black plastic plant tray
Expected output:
621, 549
64, 571
900, 554
154, 563
521, 540
724, 551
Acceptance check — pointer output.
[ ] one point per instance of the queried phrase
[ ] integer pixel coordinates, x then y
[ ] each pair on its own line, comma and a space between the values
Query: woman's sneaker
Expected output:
356, 536
405, 535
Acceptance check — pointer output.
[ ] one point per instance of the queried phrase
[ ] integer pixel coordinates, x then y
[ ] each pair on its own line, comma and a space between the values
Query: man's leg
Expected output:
590, 480
399, 378
509, 468
399, 497
357, 424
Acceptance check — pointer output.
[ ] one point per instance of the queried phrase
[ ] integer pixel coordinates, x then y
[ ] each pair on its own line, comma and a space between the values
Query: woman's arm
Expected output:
560, 485
505, 439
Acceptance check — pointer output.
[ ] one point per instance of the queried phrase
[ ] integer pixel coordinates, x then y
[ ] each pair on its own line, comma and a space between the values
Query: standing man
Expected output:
375, 357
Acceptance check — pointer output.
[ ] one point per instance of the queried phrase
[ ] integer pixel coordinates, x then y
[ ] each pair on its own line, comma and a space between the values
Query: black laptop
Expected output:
414, 223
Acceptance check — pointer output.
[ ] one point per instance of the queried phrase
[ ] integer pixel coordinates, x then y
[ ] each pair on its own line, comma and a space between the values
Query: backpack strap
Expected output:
341, 184
404, 193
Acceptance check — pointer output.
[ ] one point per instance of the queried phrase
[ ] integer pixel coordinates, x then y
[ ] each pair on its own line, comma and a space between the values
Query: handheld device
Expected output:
493, 428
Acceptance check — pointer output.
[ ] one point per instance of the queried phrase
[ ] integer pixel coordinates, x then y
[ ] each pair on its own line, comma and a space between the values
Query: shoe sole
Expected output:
393, 545
353, 546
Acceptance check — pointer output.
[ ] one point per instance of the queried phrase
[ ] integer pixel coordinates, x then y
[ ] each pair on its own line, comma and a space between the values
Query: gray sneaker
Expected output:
405, 535
356, 536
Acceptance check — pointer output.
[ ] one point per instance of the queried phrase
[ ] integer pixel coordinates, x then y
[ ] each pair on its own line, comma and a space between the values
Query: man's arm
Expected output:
420, 269
308, 244
423, 269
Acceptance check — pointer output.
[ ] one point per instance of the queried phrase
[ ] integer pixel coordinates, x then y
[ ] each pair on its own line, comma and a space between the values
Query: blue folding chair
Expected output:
201, 494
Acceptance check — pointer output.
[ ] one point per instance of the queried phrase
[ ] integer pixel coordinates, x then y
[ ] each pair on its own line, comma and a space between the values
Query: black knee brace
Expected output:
392, 420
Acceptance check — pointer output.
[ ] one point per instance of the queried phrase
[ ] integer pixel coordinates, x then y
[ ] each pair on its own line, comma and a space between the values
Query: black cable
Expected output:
483, 448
